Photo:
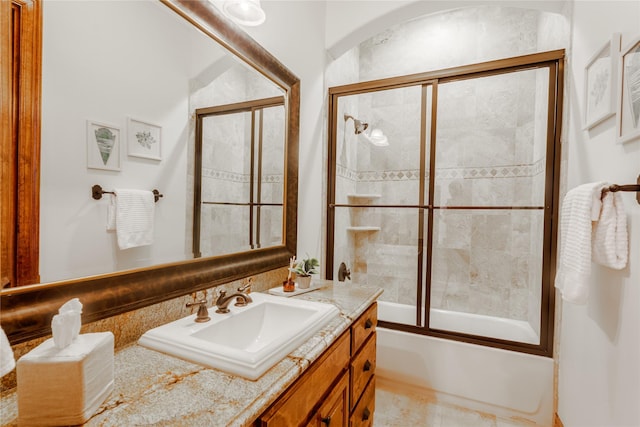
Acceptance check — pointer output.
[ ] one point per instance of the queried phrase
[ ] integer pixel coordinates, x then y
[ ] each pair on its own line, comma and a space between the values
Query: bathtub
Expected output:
505, 383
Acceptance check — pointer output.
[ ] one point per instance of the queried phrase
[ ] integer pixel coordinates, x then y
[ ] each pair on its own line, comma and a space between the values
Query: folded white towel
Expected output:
581, 205
111, 213
610, 239
134, 217
7, 361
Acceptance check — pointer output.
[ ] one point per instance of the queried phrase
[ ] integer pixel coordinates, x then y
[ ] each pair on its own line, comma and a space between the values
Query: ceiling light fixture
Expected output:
244, 12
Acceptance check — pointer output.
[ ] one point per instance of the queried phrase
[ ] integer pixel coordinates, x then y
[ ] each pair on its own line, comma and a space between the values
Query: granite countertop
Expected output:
152, 388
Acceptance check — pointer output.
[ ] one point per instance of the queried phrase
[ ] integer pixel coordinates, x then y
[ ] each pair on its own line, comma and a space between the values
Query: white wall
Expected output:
294, 33
599, 354
114, 60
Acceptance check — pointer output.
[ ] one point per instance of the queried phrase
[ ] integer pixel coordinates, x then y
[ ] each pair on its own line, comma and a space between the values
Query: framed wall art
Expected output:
600, 83
144, 139
629, 92
103, 146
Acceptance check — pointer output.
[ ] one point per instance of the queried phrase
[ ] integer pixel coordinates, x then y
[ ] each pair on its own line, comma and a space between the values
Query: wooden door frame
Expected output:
23, 194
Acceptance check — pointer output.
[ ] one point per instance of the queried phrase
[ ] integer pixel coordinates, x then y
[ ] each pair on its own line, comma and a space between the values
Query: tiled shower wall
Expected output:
491, 151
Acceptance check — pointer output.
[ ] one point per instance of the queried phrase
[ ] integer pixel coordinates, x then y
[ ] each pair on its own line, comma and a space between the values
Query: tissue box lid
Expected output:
82, 346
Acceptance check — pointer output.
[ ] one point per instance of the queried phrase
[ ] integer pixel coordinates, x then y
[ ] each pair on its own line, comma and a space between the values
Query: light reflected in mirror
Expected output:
116, 61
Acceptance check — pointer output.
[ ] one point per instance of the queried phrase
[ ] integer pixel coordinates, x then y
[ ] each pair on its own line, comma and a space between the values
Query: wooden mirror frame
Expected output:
26, 312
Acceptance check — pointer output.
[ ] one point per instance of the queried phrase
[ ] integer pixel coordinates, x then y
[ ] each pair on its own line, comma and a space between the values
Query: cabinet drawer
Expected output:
363, 414
334, 411
294, 407
364, 327
363, 367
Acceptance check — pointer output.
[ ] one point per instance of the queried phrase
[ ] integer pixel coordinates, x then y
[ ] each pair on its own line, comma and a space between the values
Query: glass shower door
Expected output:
378, 188
454, 219
489, 203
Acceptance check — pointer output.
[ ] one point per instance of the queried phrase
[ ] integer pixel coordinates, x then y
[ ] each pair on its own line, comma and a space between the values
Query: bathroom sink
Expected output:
248, 340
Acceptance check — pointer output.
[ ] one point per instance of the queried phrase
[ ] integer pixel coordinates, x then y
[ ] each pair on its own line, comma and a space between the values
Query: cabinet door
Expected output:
334, 412
295, 406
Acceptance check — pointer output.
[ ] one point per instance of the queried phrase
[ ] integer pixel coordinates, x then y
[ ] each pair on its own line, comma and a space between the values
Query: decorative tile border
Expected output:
347, 173
517, 171
239, 177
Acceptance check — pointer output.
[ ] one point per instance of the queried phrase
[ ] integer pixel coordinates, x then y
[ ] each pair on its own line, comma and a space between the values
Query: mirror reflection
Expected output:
240, 153
121, 64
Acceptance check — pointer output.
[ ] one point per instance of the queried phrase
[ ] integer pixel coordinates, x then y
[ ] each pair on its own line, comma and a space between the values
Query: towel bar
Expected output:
97, 192
631, 187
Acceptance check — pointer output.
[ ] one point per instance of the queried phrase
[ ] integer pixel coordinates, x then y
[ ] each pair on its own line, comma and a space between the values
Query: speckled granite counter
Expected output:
152, 388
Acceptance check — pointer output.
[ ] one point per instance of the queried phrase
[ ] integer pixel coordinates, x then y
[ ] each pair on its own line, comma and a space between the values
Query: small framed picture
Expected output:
600, 88
629, 93
103, 146
144, 139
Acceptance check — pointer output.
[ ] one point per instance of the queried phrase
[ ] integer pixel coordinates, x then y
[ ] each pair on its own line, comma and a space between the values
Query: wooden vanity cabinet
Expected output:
338, 390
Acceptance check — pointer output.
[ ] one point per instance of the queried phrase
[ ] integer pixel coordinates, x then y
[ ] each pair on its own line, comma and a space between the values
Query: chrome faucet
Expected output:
222, 302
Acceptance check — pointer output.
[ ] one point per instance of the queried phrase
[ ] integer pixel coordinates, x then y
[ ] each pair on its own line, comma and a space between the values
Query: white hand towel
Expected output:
134, 217
7, 361
610, 239
580, 206
111, 213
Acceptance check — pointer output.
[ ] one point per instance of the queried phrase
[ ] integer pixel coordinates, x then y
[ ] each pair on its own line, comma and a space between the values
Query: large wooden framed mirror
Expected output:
26, 311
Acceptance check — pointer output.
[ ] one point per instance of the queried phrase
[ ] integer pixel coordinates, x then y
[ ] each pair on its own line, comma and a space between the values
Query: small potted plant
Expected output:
304, 269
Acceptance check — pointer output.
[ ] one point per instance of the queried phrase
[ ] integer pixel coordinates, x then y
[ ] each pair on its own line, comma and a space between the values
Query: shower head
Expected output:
374, 136
358, 125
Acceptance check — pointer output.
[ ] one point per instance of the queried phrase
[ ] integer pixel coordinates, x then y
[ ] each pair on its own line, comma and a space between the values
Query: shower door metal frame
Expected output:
554, 62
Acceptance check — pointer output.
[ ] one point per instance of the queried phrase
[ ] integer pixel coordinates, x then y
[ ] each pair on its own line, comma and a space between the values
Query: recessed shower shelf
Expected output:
363, 228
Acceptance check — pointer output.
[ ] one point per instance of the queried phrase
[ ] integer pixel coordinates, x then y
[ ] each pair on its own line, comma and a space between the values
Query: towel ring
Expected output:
97, 192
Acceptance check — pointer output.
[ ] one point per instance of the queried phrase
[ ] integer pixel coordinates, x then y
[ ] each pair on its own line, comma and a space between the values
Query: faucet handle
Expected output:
202, 301
246, 287
203, 312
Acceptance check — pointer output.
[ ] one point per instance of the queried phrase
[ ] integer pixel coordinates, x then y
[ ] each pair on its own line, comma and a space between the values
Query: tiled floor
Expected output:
410, 408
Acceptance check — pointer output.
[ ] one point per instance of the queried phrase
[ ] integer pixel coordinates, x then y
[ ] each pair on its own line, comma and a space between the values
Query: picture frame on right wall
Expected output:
628, 128
600, 83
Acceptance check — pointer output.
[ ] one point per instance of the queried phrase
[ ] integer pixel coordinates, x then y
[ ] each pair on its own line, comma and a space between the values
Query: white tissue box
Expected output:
62, 387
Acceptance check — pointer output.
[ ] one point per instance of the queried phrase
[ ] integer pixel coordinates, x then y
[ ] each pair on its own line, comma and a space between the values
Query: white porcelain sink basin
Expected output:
248, 340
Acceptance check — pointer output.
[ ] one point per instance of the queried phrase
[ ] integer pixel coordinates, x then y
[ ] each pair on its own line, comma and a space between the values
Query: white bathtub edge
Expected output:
505, 383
